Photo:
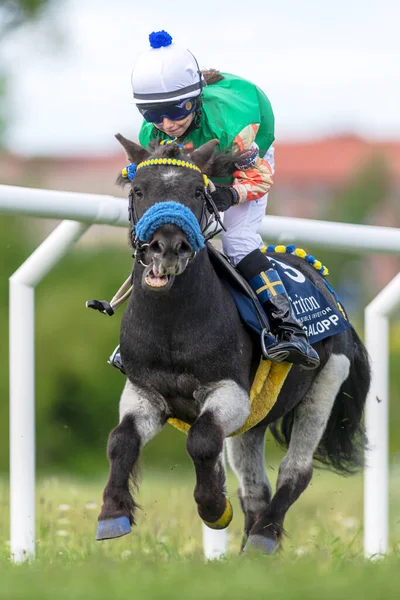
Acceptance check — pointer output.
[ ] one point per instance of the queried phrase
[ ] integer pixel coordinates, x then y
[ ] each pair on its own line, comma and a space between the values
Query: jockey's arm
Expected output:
253, 178
253, 183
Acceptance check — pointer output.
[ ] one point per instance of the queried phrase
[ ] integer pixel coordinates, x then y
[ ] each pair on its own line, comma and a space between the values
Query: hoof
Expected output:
261, 544
224, 519
113, 528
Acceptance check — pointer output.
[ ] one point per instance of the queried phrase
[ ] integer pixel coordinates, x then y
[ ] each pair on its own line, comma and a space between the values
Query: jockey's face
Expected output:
174, 128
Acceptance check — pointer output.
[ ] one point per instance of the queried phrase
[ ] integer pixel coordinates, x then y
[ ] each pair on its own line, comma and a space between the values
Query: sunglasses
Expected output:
175, 111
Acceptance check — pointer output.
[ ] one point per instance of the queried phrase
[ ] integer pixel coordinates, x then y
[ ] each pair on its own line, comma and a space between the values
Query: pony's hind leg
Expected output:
310, 418
140, 419
246, 458
225, 409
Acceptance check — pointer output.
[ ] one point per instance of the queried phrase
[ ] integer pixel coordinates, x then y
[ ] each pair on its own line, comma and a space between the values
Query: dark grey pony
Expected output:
188, 355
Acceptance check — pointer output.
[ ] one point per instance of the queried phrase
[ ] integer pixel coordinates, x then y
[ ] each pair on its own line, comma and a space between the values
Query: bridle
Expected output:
210, 220
210, 225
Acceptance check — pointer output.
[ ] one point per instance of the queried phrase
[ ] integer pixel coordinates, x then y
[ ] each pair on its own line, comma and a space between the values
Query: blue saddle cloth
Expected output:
319, 319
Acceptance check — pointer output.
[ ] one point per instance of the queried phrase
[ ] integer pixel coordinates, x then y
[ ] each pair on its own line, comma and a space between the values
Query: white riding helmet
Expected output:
166, 73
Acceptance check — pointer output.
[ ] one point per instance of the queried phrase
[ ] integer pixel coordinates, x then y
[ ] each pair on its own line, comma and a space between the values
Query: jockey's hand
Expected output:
224, 197
248, 159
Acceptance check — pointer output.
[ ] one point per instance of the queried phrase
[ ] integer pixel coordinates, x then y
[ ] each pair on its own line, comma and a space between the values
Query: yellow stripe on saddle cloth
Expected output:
267, 384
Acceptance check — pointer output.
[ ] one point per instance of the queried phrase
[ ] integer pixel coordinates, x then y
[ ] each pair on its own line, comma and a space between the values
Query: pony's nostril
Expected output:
157, 246
182, 247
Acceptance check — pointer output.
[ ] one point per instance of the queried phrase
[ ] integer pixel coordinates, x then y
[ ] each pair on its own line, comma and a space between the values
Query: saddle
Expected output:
247, 303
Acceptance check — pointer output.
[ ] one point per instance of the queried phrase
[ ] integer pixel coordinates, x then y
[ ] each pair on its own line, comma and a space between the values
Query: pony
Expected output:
187, 355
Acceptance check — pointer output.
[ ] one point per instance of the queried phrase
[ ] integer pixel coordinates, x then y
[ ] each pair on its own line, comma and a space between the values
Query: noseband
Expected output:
209, 220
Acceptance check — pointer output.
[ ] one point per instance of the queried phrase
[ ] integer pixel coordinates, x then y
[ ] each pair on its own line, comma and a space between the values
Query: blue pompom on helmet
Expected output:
165, 73
159, 39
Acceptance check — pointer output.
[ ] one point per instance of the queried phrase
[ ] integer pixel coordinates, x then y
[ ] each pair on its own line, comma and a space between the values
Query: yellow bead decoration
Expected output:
300, 253
169, 161
317, 264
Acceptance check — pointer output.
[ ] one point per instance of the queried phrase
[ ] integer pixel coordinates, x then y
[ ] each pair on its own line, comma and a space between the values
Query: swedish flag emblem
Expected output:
267, 284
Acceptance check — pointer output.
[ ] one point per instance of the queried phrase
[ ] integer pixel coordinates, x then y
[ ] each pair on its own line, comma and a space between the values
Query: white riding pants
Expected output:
242, 223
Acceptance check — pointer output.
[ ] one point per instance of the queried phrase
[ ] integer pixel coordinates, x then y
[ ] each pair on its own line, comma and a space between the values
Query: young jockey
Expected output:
177, 100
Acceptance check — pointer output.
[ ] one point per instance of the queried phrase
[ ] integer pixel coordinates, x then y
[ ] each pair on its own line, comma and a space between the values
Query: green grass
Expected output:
163, 558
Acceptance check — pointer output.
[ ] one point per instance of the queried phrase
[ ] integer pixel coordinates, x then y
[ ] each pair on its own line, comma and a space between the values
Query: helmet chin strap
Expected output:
195, 124
201, 79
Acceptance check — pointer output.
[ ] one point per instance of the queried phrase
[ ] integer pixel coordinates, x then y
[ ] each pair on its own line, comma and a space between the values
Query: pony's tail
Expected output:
344, 441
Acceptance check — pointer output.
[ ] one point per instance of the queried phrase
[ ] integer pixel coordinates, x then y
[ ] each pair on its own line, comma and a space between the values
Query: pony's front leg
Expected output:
225, 409
141, 418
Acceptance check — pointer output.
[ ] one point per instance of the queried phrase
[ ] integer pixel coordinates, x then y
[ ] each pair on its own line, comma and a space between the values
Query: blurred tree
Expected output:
14, 14
357, 202
3, 88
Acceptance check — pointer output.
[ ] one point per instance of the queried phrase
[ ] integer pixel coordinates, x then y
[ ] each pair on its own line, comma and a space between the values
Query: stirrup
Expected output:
264, 347
289, 354
295, 356
115, 360
109, 308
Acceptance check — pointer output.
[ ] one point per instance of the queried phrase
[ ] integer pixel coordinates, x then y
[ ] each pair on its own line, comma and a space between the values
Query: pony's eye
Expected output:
198, 194
138, 192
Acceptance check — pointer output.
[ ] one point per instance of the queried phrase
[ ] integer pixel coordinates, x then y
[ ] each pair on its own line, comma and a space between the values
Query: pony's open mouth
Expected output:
152, 279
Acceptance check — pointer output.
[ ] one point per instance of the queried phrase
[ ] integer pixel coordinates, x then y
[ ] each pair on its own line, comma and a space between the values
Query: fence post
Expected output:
376, 474
215, 541
22, 384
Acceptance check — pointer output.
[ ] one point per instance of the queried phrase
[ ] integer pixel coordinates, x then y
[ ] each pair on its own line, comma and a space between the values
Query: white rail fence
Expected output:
83, 210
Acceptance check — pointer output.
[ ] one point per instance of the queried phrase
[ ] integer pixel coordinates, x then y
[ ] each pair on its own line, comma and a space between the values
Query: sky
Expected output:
327, 67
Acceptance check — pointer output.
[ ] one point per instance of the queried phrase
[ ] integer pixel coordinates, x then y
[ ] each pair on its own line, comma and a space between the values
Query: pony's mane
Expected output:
159, 150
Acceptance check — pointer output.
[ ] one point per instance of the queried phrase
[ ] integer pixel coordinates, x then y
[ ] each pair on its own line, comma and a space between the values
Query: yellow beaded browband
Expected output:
168, 161
130, 171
